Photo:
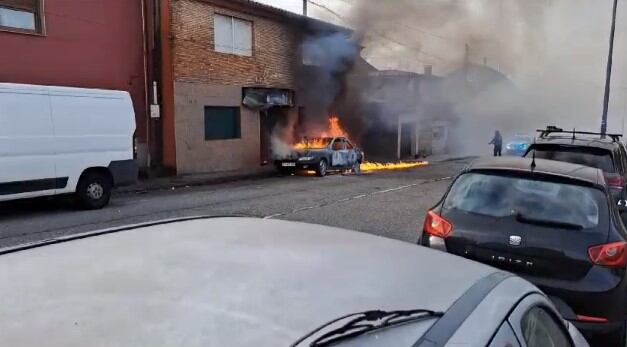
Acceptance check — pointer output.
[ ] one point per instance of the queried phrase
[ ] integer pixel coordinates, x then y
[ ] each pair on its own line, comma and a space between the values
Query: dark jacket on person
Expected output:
497, 140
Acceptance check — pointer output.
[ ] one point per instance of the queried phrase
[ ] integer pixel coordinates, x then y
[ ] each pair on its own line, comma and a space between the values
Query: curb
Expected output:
179, 182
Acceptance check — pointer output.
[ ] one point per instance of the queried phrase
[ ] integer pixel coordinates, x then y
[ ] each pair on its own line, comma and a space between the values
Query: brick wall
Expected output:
275, 49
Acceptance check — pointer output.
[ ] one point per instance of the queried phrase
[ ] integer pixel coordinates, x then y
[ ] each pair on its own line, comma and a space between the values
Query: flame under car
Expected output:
322, 155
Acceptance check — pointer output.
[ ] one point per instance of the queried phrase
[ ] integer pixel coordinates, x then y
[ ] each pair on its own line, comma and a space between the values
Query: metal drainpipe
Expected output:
146, 98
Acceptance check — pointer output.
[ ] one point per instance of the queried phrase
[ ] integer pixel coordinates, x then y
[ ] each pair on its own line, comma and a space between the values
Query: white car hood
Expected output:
215, 282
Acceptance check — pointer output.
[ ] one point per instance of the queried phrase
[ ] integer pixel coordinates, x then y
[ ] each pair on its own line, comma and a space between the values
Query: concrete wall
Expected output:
196, 155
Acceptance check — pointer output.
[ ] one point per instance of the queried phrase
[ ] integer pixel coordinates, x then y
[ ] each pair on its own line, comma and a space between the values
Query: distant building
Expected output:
403, 114
484, 100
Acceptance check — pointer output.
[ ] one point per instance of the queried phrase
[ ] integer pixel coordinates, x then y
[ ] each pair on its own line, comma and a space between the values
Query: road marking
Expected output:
395, 189
361, 196
305, 208
274, 215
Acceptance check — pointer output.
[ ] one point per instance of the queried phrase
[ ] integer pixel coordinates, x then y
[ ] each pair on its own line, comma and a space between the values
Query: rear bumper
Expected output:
602, 334
593, 329
601, 293
433, 242
124, 172
596, 295
297, 165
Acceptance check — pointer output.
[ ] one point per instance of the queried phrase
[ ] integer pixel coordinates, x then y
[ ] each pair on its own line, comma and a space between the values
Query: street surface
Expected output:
391, 204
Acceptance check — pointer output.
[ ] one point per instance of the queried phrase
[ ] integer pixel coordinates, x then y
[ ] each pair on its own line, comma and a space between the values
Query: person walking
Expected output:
497, 141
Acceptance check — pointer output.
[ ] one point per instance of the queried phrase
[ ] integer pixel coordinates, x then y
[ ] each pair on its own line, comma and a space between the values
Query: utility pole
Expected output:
305, 3
608, 76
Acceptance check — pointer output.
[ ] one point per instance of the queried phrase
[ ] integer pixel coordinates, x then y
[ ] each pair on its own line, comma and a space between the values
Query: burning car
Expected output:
322, 154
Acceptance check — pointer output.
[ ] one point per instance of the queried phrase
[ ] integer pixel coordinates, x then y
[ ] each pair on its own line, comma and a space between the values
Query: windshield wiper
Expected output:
547, 222
364, 322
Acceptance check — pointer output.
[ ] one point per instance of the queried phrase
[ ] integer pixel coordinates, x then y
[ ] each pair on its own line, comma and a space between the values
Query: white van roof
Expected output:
25, 88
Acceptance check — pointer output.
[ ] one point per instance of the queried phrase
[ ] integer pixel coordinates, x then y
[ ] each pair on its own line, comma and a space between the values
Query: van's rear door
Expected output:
27, 157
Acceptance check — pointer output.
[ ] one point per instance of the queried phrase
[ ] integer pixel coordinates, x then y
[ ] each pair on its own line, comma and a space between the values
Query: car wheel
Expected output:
356, 168
321, 170
94, 190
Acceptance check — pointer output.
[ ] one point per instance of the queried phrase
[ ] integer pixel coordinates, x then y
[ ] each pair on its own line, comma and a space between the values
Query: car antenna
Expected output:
533, 155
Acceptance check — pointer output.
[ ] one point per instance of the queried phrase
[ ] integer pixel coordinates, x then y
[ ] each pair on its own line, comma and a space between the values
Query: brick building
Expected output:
91, 44
229, 74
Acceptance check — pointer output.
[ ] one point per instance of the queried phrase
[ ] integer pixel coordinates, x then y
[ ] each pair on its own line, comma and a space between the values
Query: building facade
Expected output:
404, 115
233, 76
209, 79
91, 44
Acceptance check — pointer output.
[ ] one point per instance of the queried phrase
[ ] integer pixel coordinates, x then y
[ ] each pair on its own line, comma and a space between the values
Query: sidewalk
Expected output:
193, 180
182, 181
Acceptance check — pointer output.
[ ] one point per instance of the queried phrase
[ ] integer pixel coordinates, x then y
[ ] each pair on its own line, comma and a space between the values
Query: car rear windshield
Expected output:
594, 157
550, 201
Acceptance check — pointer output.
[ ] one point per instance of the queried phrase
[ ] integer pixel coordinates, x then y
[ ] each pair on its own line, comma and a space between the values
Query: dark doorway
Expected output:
268, 121
408, 130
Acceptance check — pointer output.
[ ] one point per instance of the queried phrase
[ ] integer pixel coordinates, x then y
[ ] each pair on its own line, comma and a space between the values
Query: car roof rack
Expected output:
555, 130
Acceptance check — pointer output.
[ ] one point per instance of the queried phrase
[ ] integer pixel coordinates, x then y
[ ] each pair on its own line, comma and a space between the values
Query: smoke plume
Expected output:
326, 58
512, 65
552, 51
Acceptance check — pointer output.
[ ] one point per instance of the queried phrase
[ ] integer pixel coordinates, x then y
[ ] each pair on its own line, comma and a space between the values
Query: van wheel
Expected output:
93, 190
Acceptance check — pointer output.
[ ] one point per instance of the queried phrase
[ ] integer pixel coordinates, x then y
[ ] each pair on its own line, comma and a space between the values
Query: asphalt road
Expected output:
390, 204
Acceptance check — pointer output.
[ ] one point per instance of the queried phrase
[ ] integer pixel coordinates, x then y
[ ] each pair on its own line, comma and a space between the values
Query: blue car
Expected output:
518, 145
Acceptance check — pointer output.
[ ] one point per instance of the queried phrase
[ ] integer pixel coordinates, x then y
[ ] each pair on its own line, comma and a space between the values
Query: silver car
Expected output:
251, 282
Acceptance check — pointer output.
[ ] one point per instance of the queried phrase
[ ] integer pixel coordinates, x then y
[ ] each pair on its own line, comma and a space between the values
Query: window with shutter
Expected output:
233, 35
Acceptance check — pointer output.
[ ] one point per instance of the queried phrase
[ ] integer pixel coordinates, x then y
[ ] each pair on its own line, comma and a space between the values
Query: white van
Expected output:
59, 140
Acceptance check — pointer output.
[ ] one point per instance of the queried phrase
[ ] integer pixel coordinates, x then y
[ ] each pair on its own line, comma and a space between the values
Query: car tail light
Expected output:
615, 181
590, 319
611, 254
437, 226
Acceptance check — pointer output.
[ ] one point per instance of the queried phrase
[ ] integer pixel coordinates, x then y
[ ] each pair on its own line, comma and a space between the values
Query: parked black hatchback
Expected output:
585, 148
553, 223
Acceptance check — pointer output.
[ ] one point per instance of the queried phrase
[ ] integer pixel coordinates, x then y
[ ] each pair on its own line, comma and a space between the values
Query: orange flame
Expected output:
370, 166
334, 130
309, 143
